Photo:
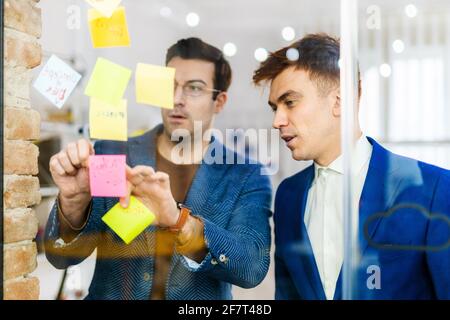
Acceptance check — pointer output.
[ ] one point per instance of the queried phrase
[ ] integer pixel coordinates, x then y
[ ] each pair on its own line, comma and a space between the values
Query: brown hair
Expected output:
195, 48
318, 55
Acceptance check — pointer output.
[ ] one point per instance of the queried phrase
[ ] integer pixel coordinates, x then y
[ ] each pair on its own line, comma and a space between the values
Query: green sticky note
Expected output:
108, 81
129, 222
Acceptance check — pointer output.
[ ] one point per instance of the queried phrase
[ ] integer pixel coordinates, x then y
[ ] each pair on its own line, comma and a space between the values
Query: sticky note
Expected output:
108, 122
56, 81
109, 32
129, 222
105, 7
155, 85
107, 175
108, 81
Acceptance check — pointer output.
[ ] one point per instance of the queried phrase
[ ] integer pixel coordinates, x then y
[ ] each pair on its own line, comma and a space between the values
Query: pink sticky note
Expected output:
107, 175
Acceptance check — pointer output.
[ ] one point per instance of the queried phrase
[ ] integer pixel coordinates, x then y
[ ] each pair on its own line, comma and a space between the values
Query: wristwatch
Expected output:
182, 218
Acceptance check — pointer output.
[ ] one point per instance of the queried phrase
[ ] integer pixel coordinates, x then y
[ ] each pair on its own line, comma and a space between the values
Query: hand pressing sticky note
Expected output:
107, 121
129, 222
56, 81
109, 32
105, 7
108, 81
107, 175
155, 85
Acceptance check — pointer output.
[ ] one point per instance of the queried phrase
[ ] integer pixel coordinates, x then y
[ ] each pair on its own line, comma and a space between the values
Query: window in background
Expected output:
408, 108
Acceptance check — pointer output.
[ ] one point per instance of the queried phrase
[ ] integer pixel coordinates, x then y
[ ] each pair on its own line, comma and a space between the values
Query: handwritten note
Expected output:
108, 81
155, 85
109, 32
105, 7
107, 175
56, 81
107, 121
129, 222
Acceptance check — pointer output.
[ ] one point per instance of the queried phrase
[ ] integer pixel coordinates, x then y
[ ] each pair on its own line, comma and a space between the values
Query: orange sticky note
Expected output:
109, 32
129, 222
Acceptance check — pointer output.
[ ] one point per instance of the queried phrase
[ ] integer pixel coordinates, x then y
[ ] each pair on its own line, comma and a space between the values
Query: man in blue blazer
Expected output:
212, 215
404, 204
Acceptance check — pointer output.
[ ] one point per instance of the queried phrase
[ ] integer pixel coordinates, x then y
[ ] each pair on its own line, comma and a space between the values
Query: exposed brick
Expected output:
19, 259
22, 124
22, 53
22, 27
20, 191
14, 102
20, 224
23, 15
20, 157
21, 289
17, 82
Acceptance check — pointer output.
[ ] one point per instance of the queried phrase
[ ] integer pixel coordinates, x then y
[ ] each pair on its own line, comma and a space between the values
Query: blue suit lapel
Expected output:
375, 197
142, 151
307, 259
206, 173
377, 193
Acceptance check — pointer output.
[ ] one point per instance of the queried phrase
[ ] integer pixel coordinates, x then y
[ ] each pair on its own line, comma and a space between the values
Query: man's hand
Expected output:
152, 189
69, 169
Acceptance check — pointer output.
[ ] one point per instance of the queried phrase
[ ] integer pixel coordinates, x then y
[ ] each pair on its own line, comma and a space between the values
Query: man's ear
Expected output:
220, 101
336, 95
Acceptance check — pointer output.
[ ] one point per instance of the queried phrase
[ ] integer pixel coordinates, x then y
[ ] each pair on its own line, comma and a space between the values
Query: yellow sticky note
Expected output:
108, 81
109, 32
155, 85
130, 222
107, 121
105, 7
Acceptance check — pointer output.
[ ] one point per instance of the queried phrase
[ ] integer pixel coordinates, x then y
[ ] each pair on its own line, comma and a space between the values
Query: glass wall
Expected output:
403, 55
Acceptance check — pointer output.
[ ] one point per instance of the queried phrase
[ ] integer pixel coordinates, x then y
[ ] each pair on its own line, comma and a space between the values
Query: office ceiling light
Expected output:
288, 33
411, 10
261, 54
385, 70
192, 19
229, 49
398, 46
165, 12
292, 54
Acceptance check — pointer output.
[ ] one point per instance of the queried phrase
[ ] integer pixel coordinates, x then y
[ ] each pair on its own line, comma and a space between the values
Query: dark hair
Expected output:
195, 48
318, 54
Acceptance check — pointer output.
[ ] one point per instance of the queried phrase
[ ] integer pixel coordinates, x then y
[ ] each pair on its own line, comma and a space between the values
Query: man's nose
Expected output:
280, 119
178, 96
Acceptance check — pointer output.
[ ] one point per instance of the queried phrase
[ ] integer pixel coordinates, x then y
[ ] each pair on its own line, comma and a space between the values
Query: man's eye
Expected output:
195, 88
290, 103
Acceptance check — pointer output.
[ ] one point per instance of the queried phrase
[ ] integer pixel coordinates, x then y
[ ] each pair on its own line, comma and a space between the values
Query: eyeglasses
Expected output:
194, 89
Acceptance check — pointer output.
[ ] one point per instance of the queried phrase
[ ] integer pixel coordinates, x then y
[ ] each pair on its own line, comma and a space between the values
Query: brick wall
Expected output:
21, 127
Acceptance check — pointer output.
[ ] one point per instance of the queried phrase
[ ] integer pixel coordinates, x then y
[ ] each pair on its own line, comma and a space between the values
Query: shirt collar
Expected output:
362, 154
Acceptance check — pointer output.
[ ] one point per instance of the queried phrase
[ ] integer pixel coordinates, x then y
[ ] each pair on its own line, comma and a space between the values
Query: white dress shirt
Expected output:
324, 216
